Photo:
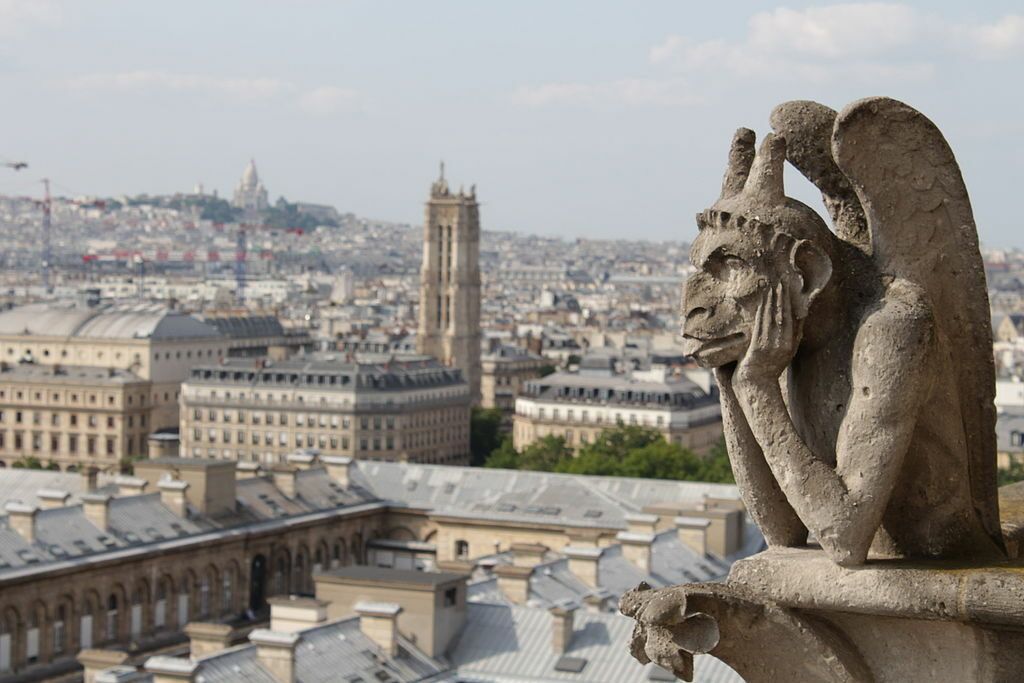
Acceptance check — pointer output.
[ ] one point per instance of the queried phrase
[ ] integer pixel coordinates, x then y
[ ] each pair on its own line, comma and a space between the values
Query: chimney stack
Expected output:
247, 470
292, 614
96, 507
284, 479
205, 638
562, 621
514, 582
693, 533
130, 486
276, 652
339, 468
22, 519
90, 477
584, 563
379, 622
172, 494
636, 547
642, 523
303, 461
52, 498
528, 554
171, 669
95, 661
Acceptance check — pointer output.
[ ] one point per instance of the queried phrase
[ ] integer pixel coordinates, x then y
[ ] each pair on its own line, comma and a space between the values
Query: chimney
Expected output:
303, 461
339, 468
514, 582
584, 563
95, 661
205, 638
52, 498
642, 523
130, 486
96, 507
22, 519
247, 470
276, 652
636, 547
284, 479
379, 622
90, 476
171, 669
562, 620
292, 614
693, 533
584, 538
172, 494
528, 554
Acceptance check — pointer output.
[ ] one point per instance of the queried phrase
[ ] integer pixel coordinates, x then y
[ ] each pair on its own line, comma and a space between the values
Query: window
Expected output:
461, 550
110, 422
110, 446
92, 420
450, 597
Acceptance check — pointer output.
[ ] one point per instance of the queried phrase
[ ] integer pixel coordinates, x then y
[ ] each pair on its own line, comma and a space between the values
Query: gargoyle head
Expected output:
752, 239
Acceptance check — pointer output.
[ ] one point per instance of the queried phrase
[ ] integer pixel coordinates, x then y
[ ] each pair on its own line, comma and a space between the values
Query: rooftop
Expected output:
141, 321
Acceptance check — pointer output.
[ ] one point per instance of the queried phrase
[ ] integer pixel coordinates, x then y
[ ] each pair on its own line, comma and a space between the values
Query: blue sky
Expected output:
573, 117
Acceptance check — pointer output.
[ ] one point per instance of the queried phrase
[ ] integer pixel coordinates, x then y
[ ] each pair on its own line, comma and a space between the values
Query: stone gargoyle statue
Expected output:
855, 363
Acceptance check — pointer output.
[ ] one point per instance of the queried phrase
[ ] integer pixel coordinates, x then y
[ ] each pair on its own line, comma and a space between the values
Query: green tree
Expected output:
28, 462
504, 457
52, 466
1010, 474
546, 454
484, 434
546, 370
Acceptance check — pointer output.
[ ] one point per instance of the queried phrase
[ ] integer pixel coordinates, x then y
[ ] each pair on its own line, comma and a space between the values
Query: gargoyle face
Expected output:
721, 298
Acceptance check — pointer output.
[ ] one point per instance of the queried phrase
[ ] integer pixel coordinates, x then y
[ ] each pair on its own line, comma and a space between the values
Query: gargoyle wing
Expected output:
922, 229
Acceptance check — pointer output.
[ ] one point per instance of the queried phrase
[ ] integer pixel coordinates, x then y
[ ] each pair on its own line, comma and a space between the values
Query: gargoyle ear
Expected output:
814, 268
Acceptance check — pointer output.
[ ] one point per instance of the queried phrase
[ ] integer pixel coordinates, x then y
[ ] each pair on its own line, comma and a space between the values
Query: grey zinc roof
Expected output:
247, 326
332, 653
24, 484
516, 495
141, 321
512, 644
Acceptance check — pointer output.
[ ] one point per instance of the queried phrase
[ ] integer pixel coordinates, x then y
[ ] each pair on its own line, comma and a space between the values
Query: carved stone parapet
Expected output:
793, 614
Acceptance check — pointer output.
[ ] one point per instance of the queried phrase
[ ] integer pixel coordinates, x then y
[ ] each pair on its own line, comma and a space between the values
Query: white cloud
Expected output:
18, 15
626, 92
871, 42
329, 99
1001, 38
247, 88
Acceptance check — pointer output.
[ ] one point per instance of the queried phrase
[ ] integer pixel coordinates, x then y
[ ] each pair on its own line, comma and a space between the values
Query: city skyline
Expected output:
562, 130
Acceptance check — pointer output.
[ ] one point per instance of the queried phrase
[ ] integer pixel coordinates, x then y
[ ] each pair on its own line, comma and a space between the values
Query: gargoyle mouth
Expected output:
697, 346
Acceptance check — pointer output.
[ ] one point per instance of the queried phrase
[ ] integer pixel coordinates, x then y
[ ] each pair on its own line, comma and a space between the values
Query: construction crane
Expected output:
47, 252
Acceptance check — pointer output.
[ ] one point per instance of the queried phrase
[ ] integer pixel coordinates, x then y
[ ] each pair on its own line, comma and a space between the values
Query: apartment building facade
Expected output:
409, 409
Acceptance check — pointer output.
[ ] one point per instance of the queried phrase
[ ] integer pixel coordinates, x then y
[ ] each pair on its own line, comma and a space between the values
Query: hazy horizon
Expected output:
597, 119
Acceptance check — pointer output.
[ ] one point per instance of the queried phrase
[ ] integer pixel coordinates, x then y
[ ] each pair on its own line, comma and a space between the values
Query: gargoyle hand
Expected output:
772, 339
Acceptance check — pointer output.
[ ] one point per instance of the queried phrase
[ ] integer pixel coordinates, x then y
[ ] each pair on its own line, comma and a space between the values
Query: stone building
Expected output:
409, 408
149, 341
503, 372
579, 406
449, 311
71, 416
127, 566
250, 195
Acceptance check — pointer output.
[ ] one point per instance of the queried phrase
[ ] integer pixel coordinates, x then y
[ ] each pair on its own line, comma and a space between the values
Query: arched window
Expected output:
204, 597
336, 555
32, 638
160, 606
461, 550
227, 597
136, 614
281, 576
60, 630
111, 625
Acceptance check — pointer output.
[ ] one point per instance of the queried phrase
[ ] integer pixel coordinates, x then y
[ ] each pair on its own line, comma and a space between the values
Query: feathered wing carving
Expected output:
922, 229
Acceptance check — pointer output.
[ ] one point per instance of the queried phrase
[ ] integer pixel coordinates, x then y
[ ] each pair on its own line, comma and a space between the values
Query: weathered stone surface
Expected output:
855, 366
857, 384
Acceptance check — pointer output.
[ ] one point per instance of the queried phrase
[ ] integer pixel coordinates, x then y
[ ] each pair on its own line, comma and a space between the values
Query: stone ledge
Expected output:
805, 578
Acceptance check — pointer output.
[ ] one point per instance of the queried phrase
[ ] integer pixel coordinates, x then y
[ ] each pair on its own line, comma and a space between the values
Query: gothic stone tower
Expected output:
450, 282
